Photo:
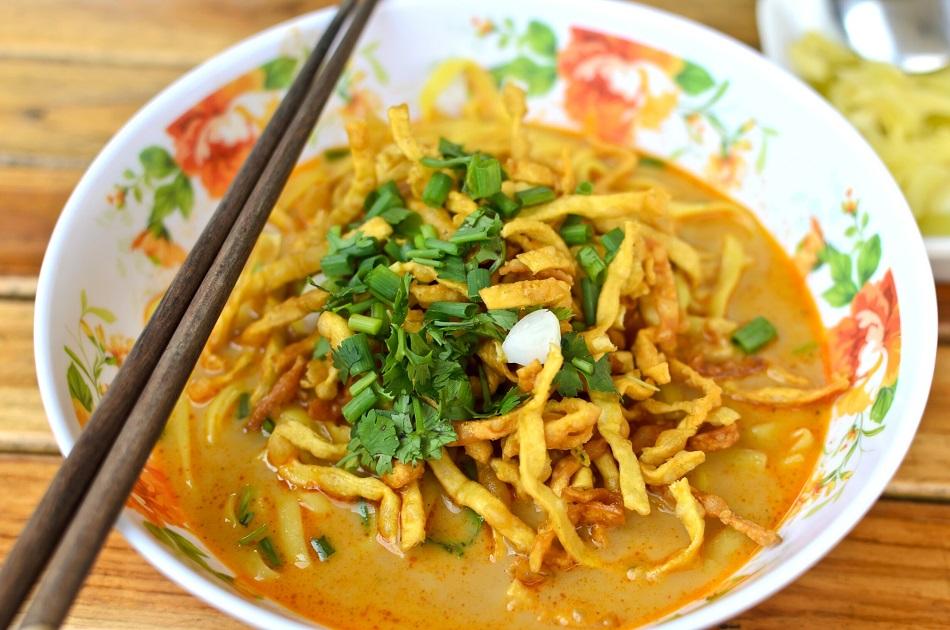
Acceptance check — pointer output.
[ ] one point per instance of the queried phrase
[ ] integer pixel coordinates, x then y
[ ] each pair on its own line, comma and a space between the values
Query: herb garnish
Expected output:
407, 387
580, 368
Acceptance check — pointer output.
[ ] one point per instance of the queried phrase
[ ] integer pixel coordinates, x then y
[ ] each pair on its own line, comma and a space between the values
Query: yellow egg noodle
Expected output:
382, 310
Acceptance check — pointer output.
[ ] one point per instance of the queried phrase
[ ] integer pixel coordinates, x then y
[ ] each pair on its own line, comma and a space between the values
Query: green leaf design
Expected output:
157, 162
840, 294
78, 388
882, 404
838, 262
869, 255
541, 39
102, 313
694, 79
537, 78
279, 73
184, 195
874, 431
166, 202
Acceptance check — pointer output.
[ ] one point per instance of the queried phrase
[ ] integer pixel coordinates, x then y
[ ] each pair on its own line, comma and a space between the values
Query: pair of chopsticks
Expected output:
87, 494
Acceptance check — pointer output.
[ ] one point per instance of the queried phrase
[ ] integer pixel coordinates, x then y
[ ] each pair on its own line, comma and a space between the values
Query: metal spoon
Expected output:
913, 35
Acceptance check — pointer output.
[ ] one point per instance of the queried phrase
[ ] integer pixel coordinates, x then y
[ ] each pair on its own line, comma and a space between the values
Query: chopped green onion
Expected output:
590, 293
583, 365
364, 511
455, 162
268, 426
337, 153
450, 149
443, 246
252, 537
611, 242
584, 188
535, 196
358, 307
365, 381
443, 310
428, 231
336, 265
364, 324
393, 250
754, 335
469, 236
424, 253
483, 176
360, 404
367, 265
266, 549
591, 262
243, 405
384, 201
477, 279
378, 311
383, 283
410, 225
396, 215
419, 240
244, 515
437, 190
429, 262
576, 234
506, 206
322, 547
321, 348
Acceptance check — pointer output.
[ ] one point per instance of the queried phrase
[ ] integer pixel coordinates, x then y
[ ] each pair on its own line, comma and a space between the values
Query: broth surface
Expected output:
444, 585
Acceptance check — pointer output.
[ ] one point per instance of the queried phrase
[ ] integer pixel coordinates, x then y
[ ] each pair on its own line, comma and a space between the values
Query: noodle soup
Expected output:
483, 372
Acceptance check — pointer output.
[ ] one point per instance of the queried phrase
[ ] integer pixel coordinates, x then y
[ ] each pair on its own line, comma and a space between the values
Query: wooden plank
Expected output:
31, 198
123, 591
170, 33
62, 113
181, 33
943, 311
23, 425
893, 571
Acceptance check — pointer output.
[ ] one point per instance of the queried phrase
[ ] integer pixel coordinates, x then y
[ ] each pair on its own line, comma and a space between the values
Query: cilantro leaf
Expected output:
601, 380
353, 357
373, 443
568, 381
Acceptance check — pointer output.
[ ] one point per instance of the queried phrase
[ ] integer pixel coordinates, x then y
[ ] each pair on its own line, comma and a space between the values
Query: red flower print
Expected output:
874, 322
607, 84
213, 138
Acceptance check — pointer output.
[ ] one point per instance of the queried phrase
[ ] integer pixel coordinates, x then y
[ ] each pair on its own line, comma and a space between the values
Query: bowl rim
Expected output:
756, 589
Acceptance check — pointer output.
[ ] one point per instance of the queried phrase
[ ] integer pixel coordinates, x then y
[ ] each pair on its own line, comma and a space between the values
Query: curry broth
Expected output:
457, 579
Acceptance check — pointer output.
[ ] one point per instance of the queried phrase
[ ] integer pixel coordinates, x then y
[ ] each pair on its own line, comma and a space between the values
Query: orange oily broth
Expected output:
364, 585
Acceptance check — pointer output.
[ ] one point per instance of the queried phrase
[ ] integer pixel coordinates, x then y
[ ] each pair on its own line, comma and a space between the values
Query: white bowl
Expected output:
96, 269
783, 22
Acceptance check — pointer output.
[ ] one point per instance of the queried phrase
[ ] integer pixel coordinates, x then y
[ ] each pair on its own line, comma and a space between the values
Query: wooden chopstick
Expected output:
39, 538
120, 468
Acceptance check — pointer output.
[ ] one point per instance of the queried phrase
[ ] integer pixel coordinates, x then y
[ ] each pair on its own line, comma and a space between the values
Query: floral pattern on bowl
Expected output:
158, 185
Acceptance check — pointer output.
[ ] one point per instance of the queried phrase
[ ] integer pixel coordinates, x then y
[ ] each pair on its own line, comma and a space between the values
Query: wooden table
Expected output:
74, 71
